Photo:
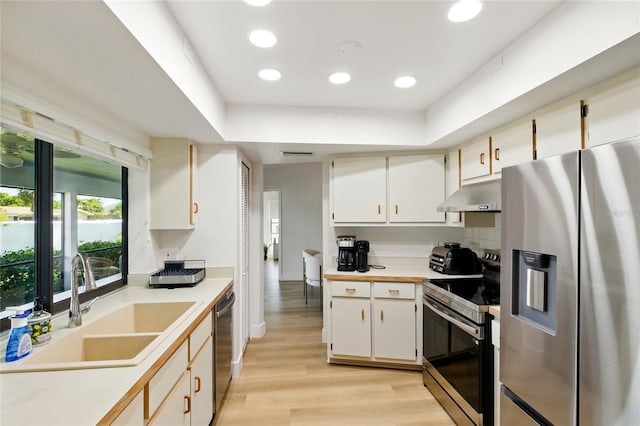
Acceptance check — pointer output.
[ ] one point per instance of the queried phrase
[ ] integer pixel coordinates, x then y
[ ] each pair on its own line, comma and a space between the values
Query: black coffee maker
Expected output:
362, 256
346, 252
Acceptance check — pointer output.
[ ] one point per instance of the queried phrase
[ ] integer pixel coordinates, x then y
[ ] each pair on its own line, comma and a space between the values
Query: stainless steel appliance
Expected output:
362, 256
346, 252
452, 259
178, 273
222, 335
456, 343
569, 344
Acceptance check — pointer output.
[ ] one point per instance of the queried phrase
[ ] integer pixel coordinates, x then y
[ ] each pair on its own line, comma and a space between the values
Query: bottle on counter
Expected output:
19, 343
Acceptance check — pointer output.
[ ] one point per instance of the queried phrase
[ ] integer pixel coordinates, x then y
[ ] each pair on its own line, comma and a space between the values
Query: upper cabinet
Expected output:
359, 189
558, 128
383, 190
511, 144
416, 185
476, 159
614, 110
173, 184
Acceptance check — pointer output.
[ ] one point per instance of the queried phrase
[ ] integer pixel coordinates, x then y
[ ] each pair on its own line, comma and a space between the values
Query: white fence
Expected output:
20, 235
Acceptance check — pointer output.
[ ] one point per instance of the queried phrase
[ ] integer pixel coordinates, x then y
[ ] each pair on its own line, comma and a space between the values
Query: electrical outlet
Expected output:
171, 254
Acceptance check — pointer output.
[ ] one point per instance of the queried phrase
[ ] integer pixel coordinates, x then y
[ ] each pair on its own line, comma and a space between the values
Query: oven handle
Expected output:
471, 330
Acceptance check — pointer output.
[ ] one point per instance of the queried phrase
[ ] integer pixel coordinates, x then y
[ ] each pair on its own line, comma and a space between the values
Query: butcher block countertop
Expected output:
89, 396
495, 310
397, 270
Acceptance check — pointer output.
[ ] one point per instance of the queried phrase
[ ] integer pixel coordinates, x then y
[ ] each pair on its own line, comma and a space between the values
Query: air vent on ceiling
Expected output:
295, 154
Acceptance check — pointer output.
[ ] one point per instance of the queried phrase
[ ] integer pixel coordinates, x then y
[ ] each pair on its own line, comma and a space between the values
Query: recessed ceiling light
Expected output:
269, 74
340, 78
405, 81
263, 38
257, 2
464, 10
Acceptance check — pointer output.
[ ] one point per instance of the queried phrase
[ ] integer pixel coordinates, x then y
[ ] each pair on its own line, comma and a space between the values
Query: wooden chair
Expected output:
312, 271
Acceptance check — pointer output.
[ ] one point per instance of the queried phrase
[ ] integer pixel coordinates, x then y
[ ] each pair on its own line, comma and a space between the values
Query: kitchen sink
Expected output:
121, 338
152, 317
88, 348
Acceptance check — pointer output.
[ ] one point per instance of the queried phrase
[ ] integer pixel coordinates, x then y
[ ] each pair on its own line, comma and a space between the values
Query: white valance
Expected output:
40, 126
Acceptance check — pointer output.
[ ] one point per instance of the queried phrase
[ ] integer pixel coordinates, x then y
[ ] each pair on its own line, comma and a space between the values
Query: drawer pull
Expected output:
381, 315
394, 291
350, 290
362, 314
396, 209
482, 158
497, 154
197, 379
188, 401
379, 210
195, 208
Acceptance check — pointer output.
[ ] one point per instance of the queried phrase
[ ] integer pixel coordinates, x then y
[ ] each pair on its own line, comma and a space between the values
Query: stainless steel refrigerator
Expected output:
570, 289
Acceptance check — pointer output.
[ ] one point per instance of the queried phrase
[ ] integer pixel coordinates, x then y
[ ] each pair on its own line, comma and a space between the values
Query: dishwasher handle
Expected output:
226, 306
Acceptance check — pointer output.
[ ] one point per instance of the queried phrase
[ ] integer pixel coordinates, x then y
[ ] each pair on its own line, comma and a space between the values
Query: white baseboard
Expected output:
258, 330
324, 335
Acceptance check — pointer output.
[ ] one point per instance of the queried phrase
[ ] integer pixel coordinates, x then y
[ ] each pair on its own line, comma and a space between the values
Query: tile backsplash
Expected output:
479, 238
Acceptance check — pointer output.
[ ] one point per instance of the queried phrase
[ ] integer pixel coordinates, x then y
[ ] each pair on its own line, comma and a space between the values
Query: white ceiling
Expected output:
80, 49
396, 38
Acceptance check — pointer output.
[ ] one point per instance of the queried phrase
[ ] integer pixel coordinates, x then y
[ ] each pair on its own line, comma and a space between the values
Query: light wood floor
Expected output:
286, 380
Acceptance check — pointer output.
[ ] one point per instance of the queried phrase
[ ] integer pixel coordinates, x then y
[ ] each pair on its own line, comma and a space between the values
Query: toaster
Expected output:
451, 259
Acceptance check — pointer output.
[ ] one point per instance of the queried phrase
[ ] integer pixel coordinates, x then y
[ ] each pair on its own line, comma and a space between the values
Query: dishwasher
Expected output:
223, 345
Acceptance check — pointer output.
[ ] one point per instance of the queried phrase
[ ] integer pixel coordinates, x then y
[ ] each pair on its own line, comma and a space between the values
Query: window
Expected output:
54, 203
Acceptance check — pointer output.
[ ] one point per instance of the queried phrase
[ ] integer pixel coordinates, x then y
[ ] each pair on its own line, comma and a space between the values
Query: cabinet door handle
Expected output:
381, 315
197, 379
482, 158
195, 208
394, 291
350, 290
396, 209
379, 209
496, 154
362, 314
188, 401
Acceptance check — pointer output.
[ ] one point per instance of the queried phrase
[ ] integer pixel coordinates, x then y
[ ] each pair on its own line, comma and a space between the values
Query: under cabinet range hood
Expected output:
475, 197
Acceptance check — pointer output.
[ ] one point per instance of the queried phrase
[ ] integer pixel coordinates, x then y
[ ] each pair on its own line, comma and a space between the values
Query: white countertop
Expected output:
82, 397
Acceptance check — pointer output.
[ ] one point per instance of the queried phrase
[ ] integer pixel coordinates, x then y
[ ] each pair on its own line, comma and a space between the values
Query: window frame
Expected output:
43, 244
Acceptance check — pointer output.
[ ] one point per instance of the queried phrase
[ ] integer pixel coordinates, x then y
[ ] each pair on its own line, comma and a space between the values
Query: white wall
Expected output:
300, 188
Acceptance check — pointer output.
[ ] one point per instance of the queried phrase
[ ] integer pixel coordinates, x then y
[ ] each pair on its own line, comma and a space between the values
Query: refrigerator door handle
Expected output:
473, 331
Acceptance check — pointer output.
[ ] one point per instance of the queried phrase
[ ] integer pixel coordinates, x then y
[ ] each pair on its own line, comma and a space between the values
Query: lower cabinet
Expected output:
181, 392
374, 322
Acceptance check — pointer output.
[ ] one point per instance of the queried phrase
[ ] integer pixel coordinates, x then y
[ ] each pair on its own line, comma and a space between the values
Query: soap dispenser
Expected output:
19, 344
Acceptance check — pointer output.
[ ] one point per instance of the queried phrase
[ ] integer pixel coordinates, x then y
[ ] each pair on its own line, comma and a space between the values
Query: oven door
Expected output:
456, 358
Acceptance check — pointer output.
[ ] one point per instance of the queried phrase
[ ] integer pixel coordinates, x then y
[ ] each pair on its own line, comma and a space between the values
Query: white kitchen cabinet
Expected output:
350, 319
614, 110
133, 414
374, 322
359, 190
381, 190
201, 369
476, 159
173, 184
511, 145
181, 392
176, 407
416, 188
394, 321
558, 128
452, 183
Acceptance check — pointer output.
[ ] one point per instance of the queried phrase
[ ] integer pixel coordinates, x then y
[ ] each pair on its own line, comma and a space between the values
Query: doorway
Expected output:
271, 226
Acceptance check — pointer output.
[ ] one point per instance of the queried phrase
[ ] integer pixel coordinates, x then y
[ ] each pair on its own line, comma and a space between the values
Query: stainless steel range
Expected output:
457, 355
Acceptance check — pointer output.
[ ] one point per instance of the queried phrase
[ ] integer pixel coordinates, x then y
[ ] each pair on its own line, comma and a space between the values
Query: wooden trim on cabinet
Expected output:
191, 212
583, 115
490, 157
534, 146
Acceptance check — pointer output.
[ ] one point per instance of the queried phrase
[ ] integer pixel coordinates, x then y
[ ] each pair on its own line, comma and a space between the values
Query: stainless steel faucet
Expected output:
75, 309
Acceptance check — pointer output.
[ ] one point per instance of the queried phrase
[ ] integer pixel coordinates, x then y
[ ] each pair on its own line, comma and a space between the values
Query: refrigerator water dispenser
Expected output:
534, 285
